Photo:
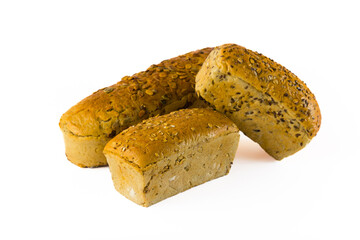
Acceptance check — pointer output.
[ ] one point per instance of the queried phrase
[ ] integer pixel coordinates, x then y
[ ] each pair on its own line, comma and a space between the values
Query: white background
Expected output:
54, 53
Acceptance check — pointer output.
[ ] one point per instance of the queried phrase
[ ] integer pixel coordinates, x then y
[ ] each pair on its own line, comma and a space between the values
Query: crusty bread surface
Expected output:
161, 89
266, 101
168, 154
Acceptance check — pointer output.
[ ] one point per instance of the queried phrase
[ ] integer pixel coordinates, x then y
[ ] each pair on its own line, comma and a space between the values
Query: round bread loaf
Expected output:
267, 102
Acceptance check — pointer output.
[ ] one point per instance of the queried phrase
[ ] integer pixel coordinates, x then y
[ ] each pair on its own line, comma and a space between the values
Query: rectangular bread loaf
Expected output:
168, 154
267, 102
162, 88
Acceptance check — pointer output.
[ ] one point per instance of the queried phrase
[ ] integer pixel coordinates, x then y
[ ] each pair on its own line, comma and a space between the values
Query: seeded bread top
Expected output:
154, 138
160, 89
272, 79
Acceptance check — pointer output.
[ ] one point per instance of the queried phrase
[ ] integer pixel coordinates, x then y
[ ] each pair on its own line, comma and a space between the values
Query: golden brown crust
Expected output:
145, 142
160, 89
272, 79
267, 102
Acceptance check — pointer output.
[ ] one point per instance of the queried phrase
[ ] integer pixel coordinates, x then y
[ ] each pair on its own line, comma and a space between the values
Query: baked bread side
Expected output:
266, 101
168, 154
161, 89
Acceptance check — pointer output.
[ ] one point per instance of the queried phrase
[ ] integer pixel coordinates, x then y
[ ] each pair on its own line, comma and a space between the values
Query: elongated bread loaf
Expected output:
266, 101
168, 154
162, 88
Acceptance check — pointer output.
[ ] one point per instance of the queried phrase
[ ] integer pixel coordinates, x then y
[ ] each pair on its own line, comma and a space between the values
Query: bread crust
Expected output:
246, 85
162, 88
168, 154
144, 142
89, 148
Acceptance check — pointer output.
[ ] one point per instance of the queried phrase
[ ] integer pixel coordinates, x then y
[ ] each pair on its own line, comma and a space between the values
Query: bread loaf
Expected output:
267, 102
167, 154
162, 88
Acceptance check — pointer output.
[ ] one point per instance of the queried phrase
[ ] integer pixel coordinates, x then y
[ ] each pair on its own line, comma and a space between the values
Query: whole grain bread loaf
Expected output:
161, 89
266, 101
168, 154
